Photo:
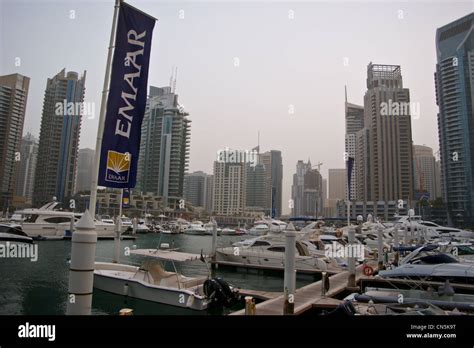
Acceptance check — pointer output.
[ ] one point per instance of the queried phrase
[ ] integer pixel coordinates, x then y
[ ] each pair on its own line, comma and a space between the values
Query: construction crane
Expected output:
319, 166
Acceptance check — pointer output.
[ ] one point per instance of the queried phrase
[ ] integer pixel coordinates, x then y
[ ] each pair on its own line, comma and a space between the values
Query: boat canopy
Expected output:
166, 254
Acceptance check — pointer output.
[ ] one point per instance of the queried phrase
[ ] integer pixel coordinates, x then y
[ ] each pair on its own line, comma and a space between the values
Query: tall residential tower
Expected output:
59, 138
13, 97
164, 148
454, 80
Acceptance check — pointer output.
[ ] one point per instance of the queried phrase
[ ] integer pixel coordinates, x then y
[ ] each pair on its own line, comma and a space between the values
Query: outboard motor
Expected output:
220, 292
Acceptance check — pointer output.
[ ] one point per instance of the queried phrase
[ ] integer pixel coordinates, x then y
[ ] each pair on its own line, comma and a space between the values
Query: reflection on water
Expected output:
41, 287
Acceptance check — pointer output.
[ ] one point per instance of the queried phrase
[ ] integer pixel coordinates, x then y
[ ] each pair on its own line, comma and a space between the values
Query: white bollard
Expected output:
290, 275
81, 271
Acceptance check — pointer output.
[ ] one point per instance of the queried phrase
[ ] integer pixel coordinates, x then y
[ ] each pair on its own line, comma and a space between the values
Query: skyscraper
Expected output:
26, 175
454, 80
387, 117
307, 190
424, 169
272, 160
85, 165
297, 189
13, 97
337, 180
195, 187
208, 193
229, 188
313, 193
354, 123
164, 148
257, 177
59, 138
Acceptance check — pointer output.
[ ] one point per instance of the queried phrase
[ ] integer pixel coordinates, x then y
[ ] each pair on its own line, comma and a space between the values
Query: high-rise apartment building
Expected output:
386, 138
354, 115
258, 184
13, 97
164, 148
272, 160
229, 188
454, 79
307, 190
58, 147
196, 186
424, 168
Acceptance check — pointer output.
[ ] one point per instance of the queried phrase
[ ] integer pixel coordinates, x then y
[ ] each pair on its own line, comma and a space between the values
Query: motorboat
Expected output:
434, 230
265, 225
268, 251
107, 219
259, 230
13, 233
126, 224
142, 228
48, 222
196, 229
428, 263
152, 282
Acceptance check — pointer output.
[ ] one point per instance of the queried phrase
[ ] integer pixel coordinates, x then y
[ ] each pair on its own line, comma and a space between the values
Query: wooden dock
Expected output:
309, 296
261, 295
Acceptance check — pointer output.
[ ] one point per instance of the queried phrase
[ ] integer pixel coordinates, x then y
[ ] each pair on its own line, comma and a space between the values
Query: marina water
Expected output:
41, 287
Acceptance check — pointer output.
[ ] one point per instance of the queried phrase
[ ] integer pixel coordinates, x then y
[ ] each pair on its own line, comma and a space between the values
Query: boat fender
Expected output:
367, 270
125, 289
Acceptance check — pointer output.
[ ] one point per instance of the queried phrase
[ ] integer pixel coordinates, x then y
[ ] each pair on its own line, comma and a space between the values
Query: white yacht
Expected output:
152, 282
12, 233
107, 219
126, 224
49, 223
142, 227
269, 252
259, 230
195, 228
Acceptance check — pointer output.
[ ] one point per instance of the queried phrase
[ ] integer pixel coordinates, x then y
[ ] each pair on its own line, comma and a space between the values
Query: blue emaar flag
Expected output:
126, 100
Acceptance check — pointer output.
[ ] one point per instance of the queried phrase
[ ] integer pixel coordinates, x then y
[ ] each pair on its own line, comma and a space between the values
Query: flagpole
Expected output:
103, 106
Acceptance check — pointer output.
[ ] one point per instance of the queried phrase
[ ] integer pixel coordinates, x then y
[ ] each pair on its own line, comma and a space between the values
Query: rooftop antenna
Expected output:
345, 92
171, 77
174, 82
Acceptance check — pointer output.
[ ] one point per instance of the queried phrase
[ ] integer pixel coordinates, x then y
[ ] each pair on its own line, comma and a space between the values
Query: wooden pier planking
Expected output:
261, 295
308, 296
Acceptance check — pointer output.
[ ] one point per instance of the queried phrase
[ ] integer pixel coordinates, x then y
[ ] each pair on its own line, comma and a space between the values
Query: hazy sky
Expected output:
283, 61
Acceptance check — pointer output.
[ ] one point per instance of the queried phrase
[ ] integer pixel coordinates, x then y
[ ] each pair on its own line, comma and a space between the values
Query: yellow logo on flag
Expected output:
118, 167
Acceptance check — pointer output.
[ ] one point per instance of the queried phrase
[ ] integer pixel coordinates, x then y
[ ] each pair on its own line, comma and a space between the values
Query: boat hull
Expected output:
139, 289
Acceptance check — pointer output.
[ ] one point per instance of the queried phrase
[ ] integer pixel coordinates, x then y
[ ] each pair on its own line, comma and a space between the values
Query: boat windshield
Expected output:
31, 218
432, 257
12, 230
